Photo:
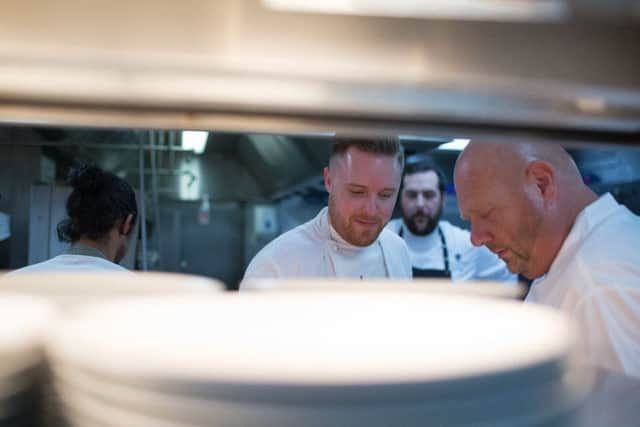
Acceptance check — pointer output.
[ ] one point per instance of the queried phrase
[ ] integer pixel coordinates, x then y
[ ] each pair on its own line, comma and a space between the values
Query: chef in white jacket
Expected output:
101, 211
529, 205
438, 248
347, 238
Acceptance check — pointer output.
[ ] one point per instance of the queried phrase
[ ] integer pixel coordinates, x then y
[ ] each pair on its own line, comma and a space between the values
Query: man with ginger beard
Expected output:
438, 248
529, 205
347, 238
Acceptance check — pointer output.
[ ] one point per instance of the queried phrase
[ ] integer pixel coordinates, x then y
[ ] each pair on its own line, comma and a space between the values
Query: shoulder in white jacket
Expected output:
72, 263
466, 262
305, 252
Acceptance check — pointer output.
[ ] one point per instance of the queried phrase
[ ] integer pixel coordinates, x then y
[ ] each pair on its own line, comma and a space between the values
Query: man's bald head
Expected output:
508, 160
521, 200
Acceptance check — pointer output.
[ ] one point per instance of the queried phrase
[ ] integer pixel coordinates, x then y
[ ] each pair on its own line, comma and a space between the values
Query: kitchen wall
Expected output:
20, 166
181, 243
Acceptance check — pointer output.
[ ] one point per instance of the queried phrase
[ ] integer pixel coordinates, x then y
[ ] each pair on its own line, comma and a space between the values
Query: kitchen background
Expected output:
211, 206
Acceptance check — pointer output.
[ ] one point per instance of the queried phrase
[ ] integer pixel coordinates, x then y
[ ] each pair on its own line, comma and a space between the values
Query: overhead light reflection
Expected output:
194, 140
457, 144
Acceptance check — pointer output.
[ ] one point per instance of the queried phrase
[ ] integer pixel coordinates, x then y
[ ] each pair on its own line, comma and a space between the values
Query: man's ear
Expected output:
327, 179
127, 225
542, 175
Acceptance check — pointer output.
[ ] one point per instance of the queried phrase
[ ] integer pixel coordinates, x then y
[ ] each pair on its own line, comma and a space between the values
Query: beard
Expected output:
350, 231
422, 223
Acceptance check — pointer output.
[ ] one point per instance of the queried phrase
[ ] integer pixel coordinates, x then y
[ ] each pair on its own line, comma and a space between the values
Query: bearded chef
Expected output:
348, 238
436, 247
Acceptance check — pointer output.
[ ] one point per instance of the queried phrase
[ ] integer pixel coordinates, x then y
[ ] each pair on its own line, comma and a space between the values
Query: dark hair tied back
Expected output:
86, 178
98, 202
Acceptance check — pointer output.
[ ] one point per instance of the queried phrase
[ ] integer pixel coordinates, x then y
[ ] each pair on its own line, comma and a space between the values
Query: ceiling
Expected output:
239, 66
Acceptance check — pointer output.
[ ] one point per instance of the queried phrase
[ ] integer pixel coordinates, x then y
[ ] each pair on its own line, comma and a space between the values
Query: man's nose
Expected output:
420, 200
480, 235
370, 205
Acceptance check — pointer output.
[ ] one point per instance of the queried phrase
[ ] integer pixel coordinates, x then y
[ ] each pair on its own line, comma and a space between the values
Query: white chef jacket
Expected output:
595, 279
310, 250
86, 259
466, 262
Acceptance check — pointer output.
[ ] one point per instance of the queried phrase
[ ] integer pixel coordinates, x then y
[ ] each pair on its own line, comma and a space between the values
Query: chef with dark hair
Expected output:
102, 212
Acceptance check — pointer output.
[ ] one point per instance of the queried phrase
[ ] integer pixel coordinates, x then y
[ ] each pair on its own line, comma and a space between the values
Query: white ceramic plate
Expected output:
18, 383
86, 411
226, 343
533, 402
23, 321
437, 286
82, 411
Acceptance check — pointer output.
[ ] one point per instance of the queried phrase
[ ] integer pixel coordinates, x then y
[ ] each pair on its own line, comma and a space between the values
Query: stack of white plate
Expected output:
73, 290
489, 289
314, 359
22, 324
